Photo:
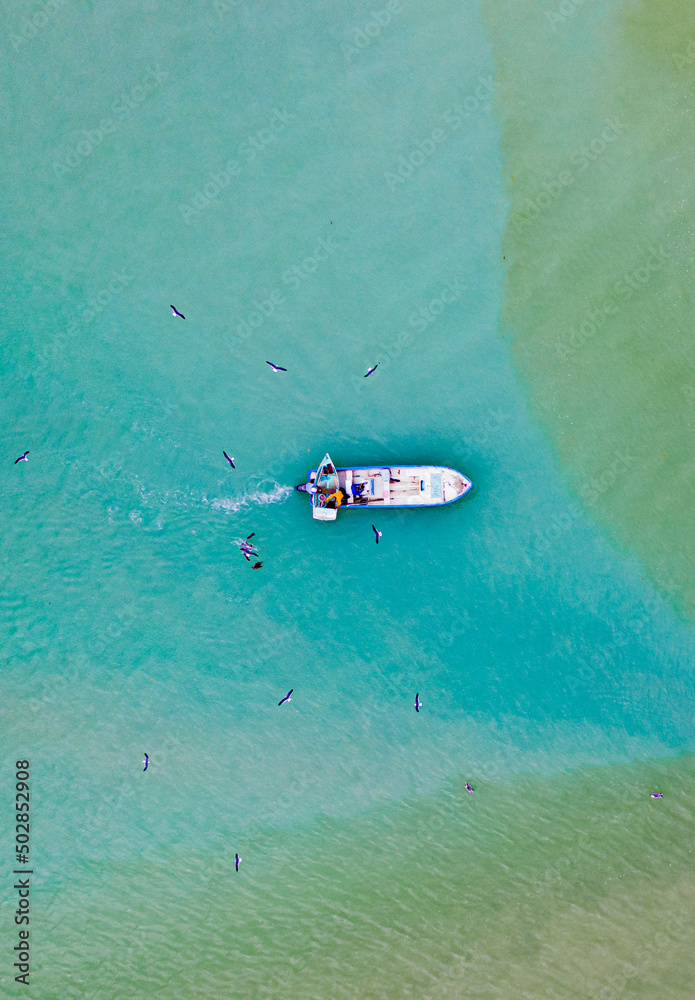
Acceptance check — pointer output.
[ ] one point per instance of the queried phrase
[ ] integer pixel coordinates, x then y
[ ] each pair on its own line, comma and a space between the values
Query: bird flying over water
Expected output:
372, 370
468, 788
288, 697
418, 703
276, 368
657, 795
377, 533
230, 460
248, 548
146, 762
237, 861
175, 312
22, 458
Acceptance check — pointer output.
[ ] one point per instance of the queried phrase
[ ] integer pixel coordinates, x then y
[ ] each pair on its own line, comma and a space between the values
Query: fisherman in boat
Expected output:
358, 494
307, 488
337, 497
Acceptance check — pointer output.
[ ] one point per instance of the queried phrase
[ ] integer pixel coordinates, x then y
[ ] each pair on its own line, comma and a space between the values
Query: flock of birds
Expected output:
248, 549
287, 698
276, 368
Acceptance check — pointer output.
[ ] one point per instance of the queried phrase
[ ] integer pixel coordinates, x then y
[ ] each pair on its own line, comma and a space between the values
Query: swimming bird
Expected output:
657, 795
237, 861
230, 460
417, 703
257, 565
372, 370
276, 368
22, 458
146, 762
377, 533
288, 697
175, 312
468, 788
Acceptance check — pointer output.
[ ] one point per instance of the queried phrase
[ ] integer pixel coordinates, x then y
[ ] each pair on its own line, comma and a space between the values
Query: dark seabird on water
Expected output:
257, 565
657, 795
372, 370
22, 458
418, 703
175, 312
276, 368
146, 762
288, 697
230, 460
237, 861
377, 533
468, 788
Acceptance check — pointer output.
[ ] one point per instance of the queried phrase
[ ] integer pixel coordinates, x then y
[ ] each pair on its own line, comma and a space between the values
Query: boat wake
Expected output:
255, 492
264, 493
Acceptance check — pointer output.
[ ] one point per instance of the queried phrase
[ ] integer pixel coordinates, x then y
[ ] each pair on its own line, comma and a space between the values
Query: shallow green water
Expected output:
598, 296
262, 173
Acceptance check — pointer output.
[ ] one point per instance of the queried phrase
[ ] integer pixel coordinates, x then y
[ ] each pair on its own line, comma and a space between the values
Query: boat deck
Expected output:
401, 486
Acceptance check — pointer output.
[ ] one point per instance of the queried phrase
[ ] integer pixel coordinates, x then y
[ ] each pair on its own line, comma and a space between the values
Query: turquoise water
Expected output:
250, 165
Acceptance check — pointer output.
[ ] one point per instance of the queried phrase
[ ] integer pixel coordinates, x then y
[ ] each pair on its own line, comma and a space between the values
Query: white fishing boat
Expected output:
381, 486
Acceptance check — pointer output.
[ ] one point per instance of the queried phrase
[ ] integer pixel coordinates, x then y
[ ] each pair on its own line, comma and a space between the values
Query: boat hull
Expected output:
398, 486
